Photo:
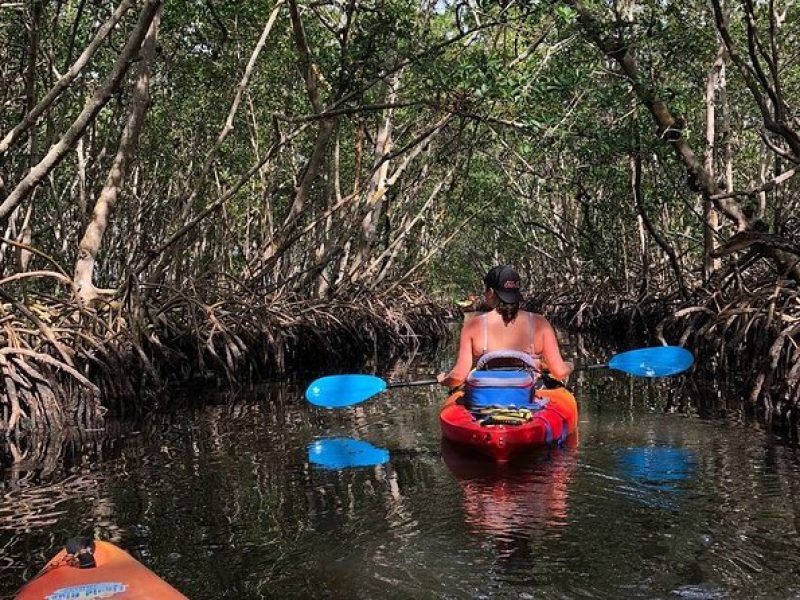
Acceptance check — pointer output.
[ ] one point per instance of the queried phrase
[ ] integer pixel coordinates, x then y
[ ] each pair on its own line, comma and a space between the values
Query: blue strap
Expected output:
564, 431
538, 404
564, 426
548, 431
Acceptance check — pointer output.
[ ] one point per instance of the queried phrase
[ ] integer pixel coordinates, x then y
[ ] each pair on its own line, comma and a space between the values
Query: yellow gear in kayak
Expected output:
502, 416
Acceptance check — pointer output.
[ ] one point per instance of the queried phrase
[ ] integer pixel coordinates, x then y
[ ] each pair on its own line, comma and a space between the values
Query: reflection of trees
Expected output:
45, 481
201, 496
220, 500
726, 524
36, 520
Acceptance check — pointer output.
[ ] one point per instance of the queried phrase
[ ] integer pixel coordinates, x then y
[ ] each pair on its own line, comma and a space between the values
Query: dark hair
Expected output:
504, 281
508, 310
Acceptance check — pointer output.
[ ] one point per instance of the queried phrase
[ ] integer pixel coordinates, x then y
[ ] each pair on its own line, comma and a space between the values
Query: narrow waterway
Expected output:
222, 501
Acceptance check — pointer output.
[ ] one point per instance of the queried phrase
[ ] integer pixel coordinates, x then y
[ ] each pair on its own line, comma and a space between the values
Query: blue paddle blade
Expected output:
341, 453
658, 361
336, 391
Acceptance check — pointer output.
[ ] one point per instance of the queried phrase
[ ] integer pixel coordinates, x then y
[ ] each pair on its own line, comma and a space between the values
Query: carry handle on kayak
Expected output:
338, 391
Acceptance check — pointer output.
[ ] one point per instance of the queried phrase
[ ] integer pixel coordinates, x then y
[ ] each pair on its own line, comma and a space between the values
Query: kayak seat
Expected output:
508, 359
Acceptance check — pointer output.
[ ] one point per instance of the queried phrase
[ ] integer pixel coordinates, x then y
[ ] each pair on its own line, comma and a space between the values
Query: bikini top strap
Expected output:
530, 333
485, 318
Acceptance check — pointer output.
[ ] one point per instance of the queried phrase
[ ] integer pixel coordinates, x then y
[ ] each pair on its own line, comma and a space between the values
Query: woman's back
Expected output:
489, 332
527, 332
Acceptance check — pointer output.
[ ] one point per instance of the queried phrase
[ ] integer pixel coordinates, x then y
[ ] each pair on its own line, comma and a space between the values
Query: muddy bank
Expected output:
66, 365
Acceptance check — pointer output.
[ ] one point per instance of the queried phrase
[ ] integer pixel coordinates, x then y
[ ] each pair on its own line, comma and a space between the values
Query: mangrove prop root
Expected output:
65, 364
744, 329
746, 345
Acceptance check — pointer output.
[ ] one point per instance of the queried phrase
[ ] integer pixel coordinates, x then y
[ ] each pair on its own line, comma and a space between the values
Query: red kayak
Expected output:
505, 432
97, 570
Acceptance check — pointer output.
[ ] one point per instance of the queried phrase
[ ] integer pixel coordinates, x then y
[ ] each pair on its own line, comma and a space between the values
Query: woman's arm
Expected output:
464, 361
551, 353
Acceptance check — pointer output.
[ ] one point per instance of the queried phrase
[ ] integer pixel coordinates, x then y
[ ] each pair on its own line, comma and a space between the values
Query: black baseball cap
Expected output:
504, 280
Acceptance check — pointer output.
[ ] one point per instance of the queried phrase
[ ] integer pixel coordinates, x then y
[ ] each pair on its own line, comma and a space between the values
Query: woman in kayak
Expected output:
505, 327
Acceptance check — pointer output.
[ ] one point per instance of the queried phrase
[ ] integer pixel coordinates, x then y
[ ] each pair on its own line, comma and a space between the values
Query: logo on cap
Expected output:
511, 284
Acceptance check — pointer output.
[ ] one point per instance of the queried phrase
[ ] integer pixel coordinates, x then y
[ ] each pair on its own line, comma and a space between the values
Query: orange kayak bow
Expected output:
115, 574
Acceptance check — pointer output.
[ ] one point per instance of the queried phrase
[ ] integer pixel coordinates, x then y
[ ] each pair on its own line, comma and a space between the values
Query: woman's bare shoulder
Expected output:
541, 320
472, 323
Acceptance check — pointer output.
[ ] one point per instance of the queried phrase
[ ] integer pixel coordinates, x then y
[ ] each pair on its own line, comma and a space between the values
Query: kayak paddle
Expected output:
338, 391
658, 361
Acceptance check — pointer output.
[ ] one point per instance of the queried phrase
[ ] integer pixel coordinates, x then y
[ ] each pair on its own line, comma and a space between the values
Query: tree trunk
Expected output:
93, 237
90, 111
311, 74
376, 190
211, 156
710, 217
636, 190
36, 111
670, 130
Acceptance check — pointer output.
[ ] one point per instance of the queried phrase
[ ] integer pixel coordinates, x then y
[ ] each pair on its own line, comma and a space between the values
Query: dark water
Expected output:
222, 502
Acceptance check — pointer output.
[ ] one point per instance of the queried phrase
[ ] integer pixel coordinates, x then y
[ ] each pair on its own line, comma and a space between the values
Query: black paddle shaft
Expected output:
400, 384
591, 367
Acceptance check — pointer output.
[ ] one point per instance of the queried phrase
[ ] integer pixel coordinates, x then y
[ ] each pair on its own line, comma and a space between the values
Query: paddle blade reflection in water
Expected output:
658, 468
657, 473
344, 453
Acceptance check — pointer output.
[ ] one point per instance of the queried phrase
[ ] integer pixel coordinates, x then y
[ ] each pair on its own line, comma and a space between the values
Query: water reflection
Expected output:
344, 453
655, 476
517, 501
658, 468
524, 495
224, 501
